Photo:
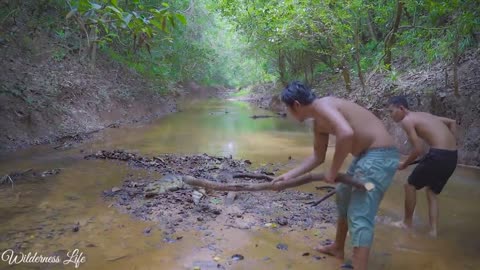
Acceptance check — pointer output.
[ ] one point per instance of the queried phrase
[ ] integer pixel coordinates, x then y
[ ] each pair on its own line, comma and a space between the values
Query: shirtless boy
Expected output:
436, 167
360, 133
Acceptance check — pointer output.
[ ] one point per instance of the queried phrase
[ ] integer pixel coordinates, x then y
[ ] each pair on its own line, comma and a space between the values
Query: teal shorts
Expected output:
378, 166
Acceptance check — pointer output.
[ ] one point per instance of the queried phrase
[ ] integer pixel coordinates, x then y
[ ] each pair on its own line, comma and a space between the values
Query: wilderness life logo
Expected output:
74, 257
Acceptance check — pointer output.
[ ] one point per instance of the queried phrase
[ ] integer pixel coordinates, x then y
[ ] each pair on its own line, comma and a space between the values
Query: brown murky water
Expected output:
41, 214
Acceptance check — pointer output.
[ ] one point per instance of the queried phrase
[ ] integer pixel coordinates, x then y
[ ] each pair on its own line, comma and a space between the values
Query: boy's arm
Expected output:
409, 128
320, 145
344, 139
451, 124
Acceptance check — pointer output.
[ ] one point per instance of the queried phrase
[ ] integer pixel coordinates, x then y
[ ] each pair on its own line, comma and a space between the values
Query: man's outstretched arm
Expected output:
409, 128
344, 139
320, 145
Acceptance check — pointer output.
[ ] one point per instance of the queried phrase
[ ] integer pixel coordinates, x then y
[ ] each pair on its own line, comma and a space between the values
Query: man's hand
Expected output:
277, 182
402, 166
330, 177
283, 177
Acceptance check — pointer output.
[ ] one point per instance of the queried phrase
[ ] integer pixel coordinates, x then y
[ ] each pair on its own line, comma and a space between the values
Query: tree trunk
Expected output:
305, 69
390, 38
370, 27
93, 46
455, 66
312, 64
281, 68
357, 54
346, 76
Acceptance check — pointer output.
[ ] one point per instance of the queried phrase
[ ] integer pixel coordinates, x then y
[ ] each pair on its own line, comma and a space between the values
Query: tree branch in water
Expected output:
253, 175
298, 181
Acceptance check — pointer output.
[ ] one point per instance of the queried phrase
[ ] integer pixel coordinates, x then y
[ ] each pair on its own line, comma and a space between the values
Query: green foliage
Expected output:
242, 42
105, 20
324, 32
207, 50
243, 92
59, 54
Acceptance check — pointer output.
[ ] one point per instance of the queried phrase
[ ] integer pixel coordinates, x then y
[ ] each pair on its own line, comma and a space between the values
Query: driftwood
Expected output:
298, 181
9, 178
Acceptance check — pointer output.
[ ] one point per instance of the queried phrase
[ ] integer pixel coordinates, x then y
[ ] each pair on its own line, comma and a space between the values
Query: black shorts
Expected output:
434, 170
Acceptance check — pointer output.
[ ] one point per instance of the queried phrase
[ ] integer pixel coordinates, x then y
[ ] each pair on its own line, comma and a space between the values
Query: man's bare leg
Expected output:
360, 258
337, 248
410, 202
432, 211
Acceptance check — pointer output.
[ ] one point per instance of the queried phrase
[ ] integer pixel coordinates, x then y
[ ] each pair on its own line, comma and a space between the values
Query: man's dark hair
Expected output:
296, 91
399, 101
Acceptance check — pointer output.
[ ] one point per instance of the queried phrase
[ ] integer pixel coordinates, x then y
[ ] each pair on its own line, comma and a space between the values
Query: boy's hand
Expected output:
402, 166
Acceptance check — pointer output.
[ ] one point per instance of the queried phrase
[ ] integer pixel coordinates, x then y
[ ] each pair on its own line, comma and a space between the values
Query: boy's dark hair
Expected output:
398, 101
299, 92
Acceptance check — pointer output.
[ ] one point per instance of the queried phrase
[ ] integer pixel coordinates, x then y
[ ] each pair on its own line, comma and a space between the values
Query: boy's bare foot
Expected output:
402, 225
331, 250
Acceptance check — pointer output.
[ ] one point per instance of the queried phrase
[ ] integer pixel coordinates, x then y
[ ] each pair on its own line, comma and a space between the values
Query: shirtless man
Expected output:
360, 133
436, 167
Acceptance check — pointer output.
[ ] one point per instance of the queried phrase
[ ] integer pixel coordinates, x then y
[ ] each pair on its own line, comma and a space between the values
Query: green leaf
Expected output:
114, 9
105, 27
164, 24
156, 24
127, 18
172, 20
71, 13
215, 200
96, 6
181, 18
84, 6
114, 2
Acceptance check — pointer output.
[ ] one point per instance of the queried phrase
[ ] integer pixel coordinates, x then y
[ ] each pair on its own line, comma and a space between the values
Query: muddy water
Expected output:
38, 216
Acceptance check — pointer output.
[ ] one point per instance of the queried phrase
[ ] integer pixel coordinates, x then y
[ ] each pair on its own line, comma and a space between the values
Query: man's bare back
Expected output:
433, 169
368, 130
433, 129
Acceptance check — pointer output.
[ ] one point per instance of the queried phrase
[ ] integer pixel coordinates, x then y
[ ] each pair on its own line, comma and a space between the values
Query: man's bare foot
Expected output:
331, 250
402, 225
433, 233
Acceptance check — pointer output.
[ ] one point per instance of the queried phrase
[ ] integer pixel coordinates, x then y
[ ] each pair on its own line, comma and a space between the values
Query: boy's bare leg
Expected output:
360, 258
432, 211
337, 248
410, 202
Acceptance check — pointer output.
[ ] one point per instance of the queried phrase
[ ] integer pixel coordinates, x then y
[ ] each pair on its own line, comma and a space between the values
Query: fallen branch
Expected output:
253, 175
328, 195
262, 116
325, 188
5, 179
298, 181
